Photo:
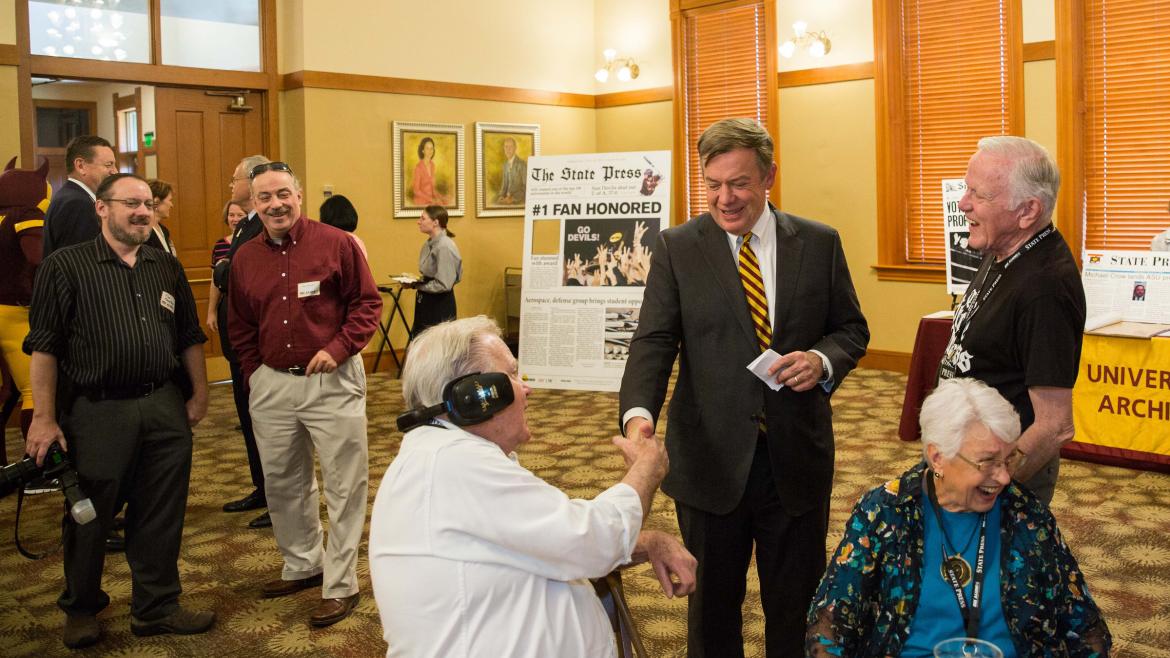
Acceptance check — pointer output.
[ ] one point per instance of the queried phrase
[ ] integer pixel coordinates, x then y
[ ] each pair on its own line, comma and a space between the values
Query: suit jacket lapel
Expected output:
713, 244
789, 251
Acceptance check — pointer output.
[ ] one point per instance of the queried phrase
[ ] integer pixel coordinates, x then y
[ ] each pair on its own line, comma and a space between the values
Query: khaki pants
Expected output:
292, 415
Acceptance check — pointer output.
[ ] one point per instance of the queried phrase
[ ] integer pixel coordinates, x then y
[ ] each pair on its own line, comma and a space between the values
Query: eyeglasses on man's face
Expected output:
134, 204
988, 466
269, 166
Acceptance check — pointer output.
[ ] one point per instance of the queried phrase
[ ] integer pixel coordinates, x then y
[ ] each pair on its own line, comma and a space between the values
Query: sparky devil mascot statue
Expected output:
24, 197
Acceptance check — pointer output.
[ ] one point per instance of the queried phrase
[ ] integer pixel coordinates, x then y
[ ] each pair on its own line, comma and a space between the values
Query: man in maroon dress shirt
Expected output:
303, 305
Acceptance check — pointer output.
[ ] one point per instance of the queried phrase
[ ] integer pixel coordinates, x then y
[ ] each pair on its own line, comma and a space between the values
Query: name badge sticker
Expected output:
308, 289
167, 301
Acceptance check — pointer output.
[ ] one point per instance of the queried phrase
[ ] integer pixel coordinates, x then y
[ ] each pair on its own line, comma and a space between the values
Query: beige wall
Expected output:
7, 21
645, 127
533, 44
638, 29
346, 139
9, 116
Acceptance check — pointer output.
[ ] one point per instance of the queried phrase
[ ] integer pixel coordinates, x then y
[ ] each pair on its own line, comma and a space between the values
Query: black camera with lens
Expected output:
57, 466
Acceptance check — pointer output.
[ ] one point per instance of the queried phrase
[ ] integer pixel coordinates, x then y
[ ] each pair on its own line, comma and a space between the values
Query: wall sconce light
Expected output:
816, 43
625, 68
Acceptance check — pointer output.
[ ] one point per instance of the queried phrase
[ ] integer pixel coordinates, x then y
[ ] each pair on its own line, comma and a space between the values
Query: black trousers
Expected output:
137, 452
790, 558
240, 395
431, 308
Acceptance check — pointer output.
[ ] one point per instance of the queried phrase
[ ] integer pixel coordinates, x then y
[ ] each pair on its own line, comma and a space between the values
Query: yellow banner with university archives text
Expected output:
1122, 396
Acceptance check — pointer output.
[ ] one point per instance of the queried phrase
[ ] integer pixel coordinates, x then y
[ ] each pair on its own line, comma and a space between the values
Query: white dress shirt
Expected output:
473, 555
85, 187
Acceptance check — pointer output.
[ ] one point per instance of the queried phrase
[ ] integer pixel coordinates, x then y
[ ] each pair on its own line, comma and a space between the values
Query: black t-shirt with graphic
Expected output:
1028, 330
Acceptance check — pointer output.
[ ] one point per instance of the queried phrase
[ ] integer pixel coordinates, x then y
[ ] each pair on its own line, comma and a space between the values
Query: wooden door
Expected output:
199, 142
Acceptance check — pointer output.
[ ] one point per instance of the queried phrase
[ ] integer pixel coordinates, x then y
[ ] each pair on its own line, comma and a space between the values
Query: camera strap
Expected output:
16, 533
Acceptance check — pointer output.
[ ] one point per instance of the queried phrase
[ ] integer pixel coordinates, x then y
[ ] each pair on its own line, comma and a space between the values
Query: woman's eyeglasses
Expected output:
987, 466
269, 166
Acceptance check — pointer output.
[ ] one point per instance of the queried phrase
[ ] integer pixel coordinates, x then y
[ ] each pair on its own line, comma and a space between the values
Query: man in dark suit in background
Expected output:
248, 228
71, 217
749, 464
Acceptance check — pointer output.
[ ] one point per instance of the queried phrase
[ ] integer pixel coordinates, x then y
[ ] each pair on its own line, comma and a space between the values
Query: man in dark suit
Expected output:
749, 464
248, 228
71, 217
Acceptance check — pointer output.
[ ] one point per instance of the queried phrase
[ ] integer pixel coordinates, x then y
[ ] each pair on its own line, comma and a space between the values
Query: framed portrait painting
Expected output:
428, 167
501, 166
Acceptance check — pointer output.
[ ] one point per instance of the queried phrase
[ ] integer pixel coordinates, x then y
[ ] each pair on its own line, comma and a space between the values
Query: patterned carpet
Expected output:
1115, 519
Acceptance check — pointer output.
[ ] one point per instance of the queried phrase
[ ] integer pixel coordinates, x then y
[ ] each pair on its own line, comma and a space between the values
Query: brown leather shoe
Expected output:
277, 588
81, 631
331, 611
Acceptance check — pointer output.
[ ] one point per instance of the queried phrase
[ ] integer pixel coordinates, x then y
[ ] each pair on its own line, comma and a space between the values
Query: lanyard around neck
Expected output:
953, 566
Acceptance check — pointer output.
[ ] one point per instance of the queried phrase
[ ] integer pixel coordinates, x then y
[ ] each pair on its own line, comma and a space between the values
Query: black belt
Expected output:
299, 371
99, 393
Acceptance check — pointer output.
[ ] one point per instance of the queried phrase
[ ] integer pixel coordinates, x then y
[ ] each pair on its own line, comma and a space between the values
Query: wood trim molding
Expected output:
1070, 118
886, 360
157, 74
911, 273
408, 86
635, 97
678, 151
268, 41
1038, 51
24, 101
9, 55
154, 13
826, 75
889, 149
1014, 32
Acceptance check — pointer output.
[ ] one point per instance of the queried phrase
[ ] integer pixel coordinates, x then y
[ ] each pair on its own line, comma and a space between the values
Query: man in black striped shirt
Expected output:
112, 319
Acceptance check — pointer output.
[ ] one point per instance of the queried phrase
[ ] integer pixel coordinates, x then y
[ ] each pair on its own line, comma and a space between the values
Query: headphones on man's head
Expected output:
467, 400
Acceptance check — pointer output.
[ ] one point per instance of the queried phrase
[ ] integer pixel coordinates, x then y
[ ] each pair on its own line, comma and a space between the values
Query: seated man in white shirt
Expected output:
471, 554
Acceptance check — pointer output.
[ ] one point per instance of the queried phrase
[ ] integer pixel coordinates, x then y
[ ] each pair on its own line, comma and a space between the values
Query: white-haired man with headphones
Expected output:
470, 553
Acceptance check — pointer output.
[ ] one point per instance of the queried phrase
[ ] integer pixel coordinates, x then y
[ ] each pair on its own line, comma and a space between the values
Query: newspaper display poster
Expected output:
1134, 285
590, 222
962, 260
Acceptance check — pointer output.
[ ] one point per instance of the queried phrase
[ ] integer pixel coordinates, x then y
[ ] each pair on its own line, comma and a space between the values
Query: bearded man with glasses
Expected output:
114, 317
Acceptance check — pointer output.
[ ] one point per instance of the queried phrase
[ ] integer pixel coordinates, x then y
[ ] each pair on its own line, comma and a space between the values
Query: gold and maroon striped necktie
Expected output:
753, 288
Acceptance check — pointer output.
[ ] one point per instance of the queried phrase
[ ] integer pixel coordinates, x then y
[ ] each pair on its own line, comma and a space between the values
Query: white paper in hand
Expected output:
760, 366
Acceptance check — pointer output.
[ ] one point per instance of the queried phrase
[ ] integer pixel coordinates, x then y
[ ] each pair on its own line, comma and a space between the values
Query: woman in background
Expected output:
338, 212
164, 201
424, 176
232, 215
441, 268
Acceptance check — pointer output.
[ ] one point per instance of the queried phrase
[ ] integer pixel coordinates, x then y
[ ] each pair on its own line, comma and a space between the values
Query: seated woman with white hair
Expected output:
956, 548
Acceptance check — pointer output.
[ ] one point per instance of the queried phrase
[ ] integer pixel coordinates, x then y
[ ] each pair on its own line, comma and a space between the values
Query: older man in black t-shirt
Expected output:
113, 317
1020, 325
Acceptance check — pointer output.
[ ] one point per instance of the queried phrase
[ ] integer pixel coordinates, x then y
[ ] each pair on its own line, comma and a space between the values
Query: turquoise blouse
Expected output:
871, 590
